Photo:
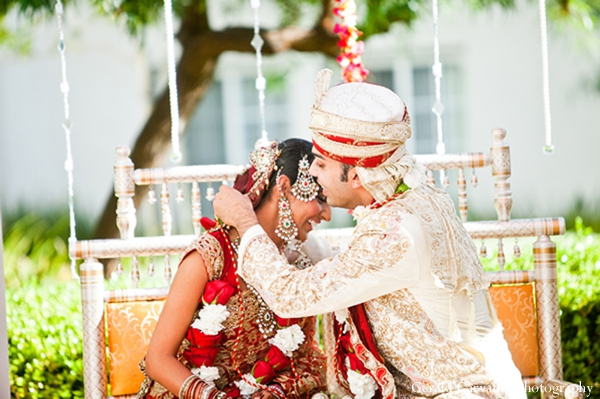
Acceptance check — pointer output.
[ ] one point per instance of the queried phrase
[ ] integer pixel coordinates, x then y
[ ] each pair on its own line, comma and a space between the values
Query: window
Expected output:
424, 121
204, 138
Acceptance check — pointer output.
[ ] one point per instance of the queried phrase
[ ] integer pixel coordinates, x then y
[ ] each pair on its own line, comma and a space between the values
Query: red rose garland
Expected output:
288, 338
350, 47
205, 336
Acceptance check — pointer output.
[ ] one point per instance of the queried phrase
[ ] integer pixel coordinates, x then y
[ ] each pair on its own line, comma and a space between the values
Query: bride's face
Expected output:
307, 215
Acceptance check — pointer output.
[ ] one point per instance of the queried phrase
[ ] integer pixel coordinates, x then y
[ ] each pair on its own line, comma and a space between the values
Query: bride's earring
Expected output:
286, 228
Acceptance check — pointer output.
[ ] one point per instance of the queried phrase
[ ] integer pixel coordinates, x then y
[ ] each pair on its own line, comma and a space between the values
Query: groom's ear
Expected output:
354, 178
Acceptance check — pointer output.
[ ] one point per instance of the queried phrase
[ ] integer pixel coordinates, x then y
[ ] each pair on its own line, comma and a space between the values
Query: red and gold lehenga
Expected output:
304, 378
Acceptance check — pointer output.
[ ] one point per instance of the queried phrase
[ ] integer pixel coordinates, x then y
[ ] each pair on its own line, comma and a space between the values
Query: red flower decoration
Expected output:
217, 292
232, 391
350, 47
203, 349
263, 372
199, 339
283, 322
201, 356
277, 359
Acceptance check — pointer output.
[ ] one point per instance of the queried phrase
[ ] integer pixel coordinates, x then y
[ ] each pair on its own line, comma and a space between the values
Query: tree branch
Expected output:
201, 50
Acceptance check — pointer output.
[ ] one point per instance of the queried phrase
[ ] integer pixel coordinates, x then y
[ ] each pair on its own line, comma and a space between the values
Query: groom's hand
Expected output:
234, 209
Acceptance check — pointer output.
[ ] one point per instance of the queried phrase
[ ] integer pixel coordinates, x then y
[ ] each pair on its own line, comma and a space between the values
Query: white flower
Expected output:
207, 374
359, 213
341, 316
244, 387
288, 339
363, 386
210, 318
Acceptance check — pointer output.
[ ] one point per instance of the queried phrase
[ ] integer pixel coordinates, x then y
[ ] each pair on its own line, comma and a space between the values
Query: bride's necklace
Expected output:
266, 318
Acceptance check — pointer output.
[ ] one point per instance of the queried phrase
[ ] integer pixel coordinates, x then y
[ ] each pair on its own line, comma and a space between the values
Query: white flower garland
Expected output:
363, 386
207, 374
244, 387
288, 339
210, 318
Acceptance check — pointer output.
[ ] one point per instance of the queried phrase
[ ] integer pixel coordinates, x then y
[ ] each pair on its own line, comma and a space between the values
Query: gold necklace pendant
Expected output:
266, 318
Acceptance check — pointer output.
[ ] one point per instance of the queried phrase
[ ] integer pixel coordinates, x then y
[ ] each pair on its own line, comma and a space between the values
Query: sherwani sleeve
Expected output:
309, 363
382, 258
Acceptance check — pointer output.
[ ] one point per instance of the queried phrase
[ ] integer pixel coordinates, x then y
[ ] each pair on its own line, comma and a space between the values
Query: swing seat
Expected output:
526, 301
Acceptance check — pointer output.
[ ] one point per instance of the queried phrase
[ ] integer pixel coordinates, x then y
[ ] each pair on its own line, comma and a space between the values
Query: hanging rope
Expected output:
64, 88
261, 83
438, 107
350, 47
173, 102
548, 146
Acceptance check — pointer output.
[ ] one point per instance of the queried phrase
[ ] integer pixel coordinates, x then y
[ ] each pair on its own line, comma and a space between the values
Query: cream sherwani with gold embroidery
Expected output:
424, 294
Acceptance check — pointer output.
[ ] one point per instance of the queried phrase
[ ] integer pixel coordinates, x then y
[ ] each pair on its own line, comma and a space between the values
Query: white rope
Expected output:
438, 107
64, 88
173, 102
261, 83
548, 146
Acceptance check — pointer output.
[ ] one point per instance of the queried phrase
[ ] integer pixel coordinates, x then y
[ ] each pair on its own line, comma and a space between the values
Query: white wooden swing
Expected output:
125, 318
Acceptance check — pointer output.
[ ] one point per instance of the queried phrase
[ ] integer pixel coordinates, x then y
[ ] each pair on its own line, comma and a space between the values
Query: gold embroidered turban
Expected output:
357, 123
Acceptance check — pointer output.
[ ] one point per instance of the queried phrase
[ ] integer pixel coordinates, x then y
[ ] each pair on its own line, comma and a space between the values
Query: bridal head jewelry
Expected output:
254, 182
305, 188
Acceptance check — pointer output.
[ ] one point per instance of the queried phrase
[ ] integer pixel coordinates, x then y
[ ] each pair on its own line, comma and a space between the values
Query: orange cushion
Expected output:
130, 325
516, 310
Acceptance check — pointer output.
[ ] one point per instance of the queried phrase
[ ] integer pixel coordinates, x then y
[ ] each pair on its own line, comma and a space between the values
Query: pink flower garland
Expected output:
350, 47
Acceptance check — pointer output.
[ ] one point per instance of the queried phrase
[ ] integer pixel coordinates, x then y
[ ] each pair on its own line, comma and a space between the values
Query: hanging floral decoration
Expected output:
350, 47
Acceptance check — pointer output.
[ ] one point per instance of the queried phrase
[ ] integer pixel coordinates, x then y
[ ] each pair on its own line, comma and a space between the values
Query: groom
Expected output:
413, 317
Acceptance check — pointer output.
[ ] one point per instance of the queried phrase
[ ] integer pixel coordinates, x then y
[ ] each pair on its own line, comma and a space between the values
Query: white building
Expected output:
492, 78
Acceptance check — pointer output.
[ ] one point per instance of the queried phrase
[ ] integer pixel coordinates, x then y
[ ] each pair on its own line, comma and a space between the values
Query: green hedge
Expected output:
45, 341
579, 298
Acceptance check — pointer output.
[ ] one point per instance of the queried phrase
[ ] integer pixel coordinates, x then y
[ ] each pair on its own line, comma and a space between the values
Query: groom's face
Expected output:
330, 174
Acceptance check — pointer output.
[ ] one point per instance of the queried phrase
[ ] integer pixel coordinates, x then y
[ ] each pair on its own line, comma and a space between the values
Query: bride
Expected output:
216, 337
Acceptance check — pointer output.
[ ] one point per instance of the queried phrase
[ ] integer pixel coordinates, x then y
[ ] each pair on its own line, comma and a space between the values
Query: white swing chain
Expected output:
261, 83
64, 88
173, 100
548, 146
438, 107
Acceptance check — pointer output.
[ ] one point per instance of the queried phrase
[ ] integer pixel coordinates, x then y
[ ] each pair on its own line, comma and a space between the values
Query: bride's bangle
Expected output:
185, 385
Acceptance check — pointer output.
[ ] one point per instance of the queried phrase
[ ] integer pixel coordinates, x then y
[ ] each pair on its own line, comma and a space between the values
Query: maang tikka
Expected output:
305, 188
286, 227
